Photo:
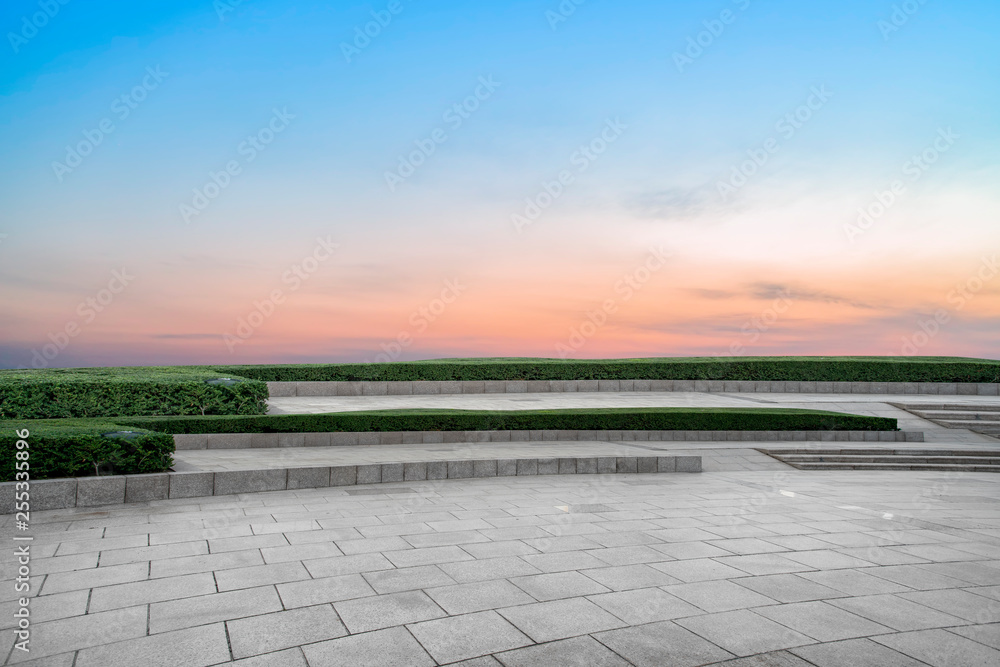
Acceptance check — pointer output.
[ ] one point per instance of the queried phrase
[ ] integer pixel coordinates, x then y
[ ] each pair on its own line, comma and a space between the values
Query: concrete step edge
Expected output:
49, 494
186, 442
421, 387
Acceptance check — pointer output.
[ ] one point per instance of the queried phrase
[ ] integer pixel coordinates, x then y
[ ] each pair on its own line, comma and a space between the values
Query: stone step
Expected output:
48, 494
955, 415
872, 451
827, 458
883, 459
942, 467
978, 426
343, 438
952, 406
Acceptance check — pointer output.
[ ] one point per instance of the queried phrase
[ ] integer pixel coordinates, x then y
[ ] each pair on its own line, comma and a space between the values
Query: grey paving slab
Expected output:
120, 596
788, 588
559, 619
47, 608
194, 647
941, 581
575, 652
962, 604
328, 567
854, 582
81, 632
716, 596
490, 568
478, 596
940, 648
822, 621
468, 636
854, 652
899, 612
260, 575
272, 632
204, 610
665, 643
407, 579
310, 592
292, 657
386, 611
698, 569
61, 582
644, 605
627, 577
988, 633
393, 647
558, 585
743, 632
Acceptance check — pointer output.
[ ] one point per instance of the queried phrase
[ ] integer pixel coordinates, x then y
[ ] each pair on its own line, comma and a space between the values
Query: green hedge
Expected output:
800, 369
112, 392
613, 419
71, 448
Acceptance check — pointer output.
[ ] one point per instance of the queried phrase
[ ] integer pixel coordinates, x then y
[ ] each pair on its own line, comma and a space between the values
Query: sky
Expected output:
255, 181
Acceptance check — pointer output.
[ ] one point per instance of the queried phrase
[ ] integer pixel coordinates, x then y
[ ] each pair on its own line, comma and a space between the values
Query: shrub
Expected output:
71, 448
797, 369
112, 392
613, 419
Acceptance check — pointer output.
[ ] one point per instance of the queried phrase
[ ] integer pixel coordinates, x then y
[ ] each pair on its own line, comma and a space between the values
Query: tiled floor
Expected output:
793, 568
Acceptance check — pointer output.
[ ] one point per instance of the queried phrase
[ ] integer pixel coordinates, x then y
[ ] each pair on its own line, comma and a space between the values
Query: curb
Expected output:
50, 494
288, 389
192, 441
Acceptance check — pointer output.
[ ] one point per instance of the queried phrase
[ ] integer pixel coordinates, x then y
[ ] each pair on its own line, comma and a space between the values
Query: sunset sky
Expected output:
260, 181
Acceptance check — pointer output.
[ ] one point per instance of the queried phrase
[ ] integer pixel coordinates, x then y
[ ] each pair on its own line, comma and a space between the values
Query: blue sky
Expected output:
558, 83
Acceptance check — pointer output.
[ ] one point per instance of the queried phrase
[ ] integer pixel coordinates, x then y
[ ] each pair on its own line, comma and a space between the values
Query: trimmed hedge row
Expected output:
112, 392
796, 369
612, 419
79, 450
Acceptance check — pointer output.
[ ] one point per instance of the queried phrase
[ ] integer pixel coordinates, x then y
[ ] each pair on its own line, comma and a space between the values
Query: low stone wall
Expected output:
353, 438
285, 389
52, 494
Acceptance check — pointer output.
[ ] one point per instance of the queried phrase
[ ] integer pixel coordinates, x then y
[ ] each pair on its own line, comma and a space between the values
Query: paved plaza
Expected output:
805, 568
750, 563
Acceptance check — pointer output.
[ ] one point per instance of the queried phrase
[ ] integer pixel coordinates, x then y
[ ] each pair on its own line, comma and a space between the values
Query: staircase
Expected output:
889, 459
983, 419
